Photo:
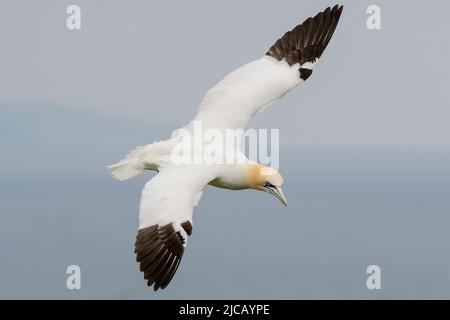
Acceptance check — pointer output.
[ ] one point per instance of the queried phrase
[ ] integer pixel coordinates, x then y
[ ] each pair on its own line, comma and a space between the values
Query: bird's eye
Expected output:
269, 185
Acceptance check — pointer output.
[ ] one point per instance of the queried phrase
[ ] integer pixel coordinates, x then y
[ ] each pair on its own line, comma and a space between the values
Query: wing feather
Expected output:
165, 221
233, 102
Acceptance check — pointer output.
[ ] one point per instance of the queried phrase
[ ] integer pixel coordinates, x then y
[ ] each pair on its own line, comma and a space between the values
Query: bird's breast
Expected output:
231, 177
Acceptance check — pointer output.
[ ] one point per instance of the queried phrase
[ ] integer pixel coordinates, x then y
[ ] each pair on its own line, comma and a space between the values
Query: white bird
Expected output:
168, 199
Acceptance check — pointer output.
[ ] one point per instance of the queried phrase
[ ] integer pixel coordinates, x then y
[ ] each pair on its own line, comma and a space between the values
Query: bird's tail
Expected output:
129, 167
140, 159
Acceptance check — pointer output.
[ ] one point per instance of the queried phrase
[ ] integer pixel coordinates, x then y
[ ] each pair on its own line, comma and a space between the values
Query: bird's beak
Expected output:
277, 193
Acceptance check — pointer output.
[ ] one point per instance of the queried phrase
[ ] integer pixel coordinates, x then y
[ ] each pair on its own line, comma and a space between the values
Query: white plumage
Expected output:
233, 102
171, 195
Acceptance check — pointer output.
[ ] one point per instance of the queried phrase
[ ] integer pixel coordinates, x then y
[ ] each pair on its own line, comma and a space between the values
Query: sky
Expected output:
364, 150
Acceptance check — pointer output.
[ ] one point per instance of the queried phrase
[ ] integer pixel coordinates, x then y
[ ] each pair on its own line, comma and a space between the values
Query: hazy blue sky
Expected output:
365, 150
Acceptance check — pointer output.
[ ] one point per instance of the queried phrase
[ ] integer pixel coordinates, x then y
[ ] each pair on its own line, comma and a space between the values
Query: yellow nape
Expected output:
258, 175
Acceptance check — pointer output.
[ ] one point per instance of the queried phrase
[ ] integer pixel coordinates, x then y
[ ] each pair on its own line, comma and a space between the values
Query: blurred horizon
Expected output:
69, 210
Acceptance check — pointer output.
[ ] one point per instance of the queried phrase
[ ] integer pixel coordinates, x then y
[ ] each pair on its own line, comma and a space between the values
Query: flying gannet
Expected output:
168, 199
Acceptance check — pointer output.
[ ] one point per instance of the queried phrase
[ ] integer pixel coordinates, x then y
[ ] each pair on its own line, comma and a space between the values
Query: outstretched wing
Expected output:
165, 221
233, 102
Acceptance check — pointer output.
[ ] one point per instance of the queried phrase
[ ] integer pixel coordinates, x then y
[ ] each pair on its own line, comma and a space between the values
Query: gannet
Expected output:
168, 199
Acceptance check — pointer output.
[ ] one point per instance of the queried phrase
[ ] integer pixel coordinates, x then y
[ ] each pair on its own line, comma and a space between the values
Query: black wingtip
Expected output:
159, 250
339, 8
307, 41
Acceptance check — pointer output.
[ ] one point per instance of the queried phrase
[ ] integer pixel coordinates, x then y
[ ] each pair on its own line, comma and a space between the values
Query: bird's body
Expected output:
168, 199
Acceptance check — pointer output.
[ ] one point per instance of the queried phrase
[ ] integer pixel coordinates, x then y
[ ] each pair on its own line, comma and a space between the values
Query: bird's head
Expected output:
268, 180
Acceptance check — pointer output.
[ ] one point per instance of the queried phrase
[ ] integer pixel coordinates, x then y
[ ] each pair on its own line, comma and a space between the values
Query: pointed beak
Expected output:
277, 193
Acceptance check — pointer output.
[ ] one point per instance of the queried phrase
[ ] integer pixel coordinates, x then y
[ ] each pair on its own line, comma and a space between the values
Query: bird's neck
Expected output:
236, 177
